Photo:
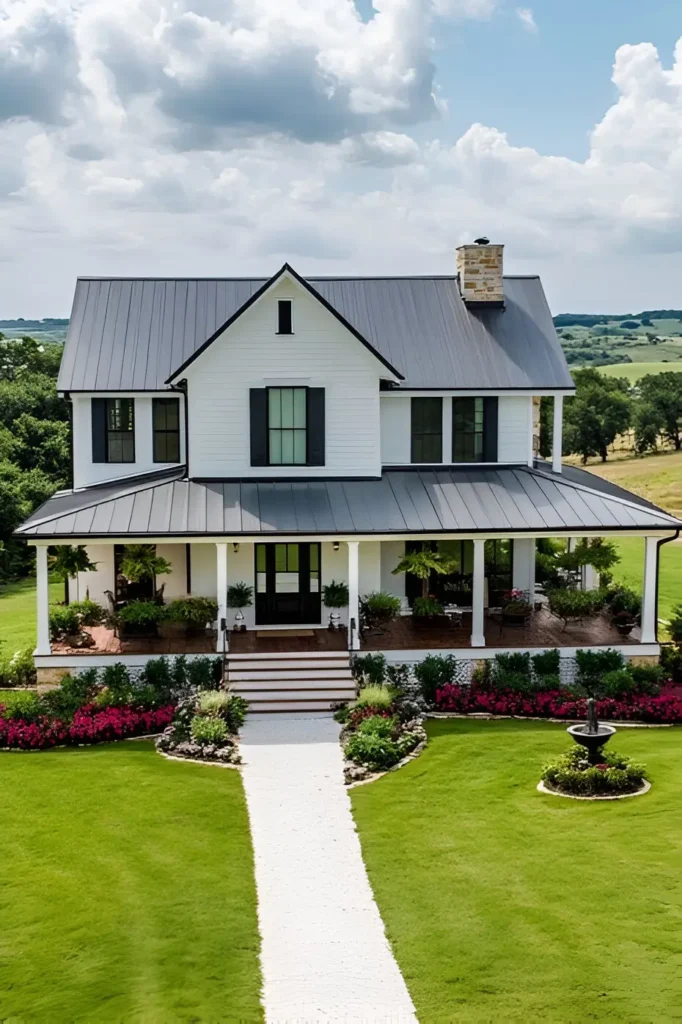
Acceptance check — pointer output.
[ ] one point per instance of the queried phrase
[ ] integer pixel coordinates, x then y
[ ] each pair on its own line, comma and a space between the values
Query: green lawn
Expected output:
506, 905
18, 614
630, 571
126, 890
633, 371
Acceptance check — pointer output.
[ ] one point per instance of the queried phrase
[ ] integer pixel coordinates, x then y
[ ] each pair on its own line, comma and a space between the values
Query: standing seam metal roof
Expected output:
132, 334
510, 499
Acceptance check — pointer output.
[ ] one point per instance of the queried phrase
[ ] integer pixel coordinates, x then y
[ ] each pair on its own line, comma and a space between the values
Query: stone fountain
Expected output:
593, 736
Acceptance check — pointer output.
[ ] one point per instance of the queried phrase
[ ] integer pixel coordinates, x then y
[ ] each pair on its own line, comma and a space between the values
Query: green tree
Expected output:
660, 411
43, 443
423, 563
599, 412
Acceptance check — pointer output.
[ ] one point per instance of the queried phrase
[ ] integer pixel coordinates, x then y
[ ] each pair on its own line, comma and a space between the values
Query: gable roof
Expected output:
129, 334
503, 500
282, 272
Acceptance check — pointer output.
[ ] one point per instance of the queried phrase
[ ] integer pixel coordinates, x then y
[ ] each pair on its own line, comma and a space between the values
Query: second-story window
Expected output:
468, 430
427, 430
287, 427
284, 317
166, 425
120, 430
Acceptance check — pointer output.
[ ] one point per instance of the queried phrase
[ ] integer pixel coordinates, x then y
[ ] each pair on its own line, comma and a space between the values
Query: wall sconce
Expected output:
336, 545
235, 548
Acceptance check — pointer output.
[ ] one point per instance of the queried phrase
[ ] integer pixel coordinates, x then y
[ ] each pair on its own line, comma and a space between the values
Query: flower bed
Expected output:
205, 727
666, 708
90, 725
613, 775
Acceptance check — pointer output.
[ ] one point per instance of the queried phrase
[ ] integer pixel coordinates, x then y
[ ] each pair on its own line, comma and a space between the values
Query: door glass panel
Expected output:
286, 569
292, 557
280, 558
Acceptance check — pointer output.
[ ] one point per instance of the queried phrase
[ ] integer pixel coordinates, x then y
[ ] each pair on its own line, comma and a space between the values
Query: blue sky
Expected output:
219, 137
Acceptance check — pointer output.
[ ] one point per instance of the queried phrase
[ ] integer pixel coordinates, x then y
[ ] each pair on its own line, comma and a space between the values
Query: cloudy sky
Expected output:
218, 137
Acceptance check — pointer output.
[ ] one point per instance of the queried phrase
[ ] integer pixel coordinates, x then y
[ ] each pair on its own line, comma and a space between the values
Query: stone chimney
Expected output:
479, 266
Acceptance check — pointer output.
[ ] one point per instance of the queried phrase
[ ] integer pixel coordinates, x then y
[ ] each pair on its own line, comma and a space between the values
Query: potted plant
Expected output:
378, 609
516, 607
140, 618
191, 615
140, 563
239, 595
423, 564
427, 611
625, 606
335, 595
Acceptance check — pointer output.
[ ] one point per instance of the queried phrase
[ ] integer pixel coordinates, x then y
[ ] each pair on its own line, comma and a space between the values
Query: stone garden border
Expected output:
196, 760
542, 788
412, 756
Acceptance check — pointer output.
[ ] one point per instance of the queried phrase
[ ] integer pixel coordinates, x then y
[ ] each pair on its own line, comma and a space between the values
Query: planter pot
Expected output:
172, 630
129, 631
624, 628
431, 621
515, 618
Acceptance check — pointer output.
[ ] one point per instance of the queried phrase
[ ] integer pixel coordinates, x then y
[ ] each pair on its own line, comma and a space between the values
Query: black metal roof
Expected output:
128, 334
489, 500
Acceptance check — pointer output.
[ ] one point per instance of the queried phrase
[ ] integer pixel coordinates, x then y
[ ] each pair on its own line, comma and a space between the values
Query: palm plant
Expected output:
69, 561
140, 562
422, 563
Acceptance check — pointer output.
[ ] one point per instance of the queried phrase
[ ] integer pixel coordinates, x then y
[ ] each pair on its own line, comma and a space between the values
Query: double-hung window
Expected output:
166, 426
468, 422
120, 430
426, 430
287, 427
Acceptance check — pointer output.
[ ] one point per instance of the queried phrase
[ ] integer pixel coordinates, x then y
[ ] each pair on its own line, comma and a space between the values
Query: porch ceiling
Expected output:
420, 501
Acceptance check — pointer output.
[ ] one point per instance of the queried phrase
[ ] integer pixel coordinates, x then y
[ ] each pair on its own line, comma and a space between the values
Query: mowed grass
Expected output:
658, 478
503, 904
127, 890
633, 371
18, 614
630, 571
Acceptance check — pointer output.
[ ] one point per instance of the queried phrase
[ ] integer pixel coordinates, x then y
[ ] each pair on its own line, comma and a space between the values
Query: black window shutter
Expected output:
258, 399
315, 424
98, 412
490, 429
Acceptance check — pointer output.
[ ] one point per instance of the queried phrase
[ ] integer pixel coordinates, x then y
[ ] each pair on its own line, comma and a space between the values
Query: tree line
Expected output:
35, 447
604, 407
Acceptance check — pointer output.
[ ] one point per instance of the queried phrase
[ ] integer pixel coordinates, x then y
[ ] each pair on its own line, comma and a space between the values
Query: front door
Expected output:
288, 584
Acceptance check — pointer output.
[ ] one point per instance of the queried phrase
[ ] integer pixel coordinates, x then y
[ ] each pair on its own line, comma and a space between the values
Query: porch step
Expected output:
296, 681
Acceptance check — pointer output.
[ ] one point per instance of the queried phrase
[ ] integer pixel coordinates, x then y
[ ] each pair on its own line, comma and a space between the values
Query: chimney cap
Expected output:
482, 240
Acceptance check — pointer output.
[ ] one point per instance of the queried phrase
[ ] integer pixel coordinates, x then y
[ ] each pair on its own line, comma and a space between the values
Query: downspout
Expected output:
181, 386
665, 540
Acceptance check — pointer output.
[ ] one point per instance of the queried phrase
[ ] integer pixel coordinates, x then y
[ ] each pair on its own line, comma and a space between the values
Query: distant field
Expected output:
656, 477
633, 371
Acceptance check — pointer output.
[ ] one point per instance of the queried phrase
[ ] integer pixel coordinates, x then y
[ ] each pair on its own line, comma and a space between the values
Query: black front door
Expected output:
287, 584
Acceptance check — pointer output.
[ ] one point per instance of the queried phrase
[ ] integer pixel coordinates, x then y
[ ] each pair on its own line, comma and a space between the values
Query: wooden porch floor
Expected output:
544, 630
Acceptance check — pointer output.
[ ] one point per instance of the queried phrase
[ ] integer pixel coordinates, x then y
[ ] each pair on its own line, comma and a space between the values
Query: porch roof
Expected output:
421, 501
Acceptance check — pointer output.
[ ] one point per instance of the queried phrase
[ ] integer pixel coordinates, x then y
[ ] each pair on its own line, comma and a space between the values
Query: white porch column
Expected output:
649, 590
43, 602
354, 593
558, 433
221, 590
478, 596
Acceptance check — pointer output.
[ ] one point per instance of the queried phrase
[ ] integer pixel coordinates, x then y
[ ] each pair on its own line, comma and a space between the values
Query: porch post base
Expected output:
477, 640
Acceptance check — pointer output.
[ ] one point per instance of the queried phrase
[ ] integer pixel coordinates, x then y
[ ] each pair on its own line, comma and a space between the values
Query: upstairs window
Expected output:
474, 429
284, 317
287, 427
166, 427
427, 430
120, 430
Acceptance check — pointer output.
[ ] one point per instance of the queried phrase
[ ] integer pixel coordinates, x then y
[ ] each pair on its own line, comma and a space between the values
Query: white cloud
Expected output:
527, 18
214, 136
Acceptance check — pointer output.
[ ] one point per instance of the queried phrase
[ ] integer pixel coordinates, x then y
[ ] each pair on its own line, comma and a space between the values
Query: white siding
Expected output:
321, 353
174, 583
391, 553
86, 472
395, 431
95, 583
514, 428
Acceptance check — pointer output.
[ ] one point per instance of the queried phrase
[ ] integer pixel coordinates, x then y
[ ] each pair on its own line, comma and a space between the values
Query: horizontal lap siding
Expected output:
320, 353
514, 428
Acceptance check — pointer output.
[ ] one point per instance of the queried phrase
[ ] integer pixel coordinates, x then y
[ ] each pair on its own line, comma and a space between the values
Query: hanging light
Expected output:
336, 545
235, 548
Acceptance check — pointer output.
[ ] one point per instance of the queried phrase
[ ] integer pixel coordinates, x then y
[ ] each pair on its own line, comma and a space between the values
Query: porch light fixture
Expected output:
336, 545
235, 548
239, 620
334, 620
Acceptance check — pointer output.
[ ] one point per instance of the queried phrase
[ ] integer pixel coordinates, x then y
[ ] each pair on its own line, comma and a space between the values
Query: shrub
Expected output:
374, 697
212, 703
158, 675
377, 752
203, 673
613, 775
195, 612
369, 668
575, 604
517, 664
89, 612
647, 678
21, 704
671, 662
381, 606
20, 670
206, 730
433, 672
64, 621
675, 626
616, 684
141, 614
74, 692
116, 681
426, 607
377, 725
547, 664
592, 665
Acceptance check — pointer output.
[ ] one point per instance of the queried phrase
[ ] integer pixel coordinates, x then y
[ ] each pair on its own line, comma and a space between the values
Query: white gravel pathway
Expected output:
324, 953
